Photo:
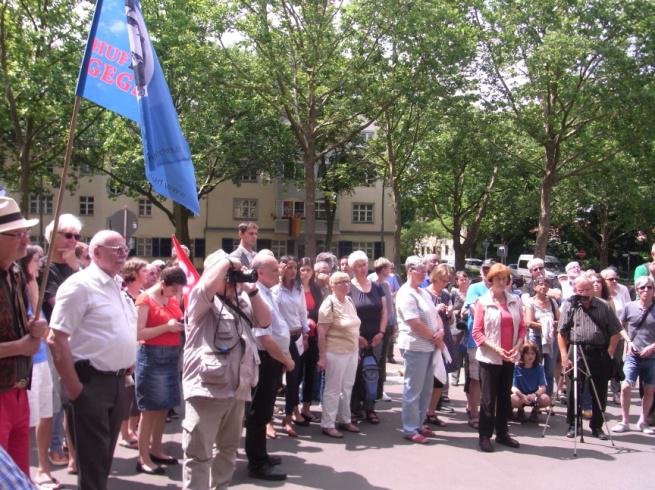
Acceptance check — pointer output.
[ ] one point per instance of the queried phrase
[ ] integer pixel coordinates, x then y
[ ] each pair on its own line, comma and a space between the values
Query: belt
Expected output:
119, 373
21, 383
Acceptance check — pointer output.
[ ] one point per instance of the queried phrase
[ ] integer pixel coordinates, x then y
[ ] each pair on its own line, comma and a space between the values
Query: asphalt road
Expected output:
379, 458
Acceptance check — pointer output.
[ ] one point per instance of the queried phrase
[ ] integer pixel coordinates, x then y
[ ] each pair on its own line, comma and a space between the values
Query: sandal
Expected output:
50, 483
474, 423
349, 427
372, 417
129, 444
270, 432
289, 430
432, 419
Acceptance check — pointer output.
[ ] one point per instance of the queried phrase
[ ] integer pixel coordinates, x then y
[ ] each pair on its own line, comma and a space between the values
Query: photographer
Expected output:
591, 324
219, 370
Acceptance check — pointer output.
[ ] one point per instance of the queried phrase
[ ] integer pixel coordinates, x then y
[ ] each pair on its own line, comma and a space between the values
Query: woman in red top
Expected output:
313, 298
498, 330
159, 327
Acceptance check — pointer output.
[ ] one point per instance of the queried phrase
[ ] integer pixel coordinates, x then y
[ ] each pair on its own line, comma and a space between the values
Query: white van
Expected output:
553, 266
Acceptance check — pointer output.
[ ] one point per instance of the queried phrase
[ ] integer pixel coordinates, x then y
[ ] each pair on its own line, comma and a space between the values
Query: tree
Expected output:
422, 68
37, 40
462, 165
314, 73
572, 78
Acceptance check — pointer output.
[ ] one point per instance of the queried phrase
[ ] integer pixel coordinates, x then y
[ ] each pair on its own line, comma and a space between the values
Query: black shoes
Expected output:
158, 460
599, 434
266, 472
157, 470
571, 432
443, 408
485, 445
506, 440
274, 460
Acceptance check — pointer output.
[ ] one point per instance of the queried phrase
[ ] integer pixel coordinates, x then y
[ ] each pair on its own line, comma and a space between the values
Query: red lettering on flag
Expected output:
108, 74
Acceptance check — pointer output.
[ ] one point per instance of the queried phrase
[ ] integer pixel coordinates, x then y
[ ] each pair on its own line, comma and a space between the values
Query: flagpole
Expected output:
60, 197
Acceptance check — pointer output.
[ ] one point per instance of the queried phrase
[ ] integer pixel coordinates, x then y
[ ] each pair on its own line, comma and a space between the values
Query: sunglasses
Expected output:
613, 279
645, 288
69, 235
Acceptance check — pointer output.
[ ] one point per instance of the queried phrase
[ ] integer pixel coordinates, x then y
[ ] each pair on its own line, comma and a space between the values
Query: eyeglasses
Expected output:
538, 268
69, 235
645, 288
19, 235
613, 279
118, 250
342, 282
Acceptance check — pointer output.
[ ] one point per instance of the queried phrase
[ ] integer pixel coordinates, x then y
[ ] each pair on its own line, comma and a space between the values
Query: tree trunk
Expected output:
547, 186
24, 183
181, 223
460, 251
330, 215
397, 222
310, 195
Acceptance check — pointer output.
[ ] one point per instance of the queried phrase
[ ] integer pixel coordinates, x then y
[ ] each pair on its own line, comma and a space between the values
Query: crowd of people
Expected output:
117, 346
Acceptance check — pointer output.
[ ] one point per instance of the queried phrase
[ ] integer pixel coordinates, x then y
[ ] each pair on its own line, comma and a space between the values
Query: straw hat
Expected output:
11, 217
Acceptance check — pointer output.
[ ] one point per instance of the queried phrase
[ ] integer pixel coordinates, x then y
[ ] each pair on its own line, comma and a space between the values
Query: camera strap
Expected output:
235, 308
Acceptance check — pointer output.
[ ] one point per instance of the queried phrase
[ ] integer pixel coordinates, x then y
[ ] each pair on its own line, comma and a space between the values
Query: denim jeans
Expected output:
417, 389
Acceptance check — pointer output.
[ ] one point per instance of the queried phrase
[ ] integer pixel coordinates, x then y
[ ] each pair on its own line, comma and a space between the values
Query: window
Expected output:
279, 247
250, 177
198, 248
145, 208
366, 247
114, 188
368, 135
41, 204
86, 169
319, 210
144, 247
245, 209
292, 208
87, 205
161, 247
362, 213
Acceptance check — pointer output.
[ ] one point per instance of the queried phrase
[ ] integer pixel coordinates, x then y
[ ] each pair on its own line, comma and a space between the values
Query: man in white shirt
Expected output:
93, 342
273, 347
245, 252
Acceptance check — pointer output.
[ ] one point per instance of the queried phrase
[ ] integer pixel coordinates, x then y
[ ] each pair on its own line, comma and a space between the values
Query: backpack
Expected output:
370, 376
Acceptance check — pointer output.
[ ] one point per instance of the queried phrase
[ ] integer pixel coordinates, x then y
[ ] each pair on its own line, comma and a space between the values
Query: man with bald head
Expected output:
93, 342
592, 325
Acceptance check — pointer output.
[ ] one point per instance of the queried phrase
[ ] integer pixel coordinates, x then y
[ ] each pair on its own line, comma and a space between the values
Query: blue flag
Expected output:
121, 72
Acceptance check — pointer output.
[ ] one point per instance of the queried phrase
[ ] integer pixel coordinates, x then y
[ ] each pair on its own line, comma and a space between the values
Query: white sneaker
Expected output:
645, 428
621, 427
385, 397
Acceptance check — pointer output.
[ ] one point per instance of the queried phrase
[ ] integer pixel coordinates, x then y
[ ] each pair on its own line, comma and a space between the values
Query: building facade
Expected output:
364, 219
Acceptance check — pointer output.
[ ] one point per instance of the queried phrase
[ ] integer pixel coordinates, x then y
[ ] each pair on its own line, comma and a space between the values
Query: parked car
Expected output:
517, 279
473, 264
553, 266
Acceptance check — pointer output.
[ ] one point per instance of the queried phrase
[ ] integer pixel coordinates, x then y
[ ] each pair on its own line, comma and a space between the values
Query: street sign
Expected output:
124, 222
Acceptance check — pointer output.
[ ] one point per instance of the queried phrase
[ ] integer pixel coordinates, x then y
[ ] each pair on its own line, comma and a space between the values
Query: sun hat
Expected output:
11, 217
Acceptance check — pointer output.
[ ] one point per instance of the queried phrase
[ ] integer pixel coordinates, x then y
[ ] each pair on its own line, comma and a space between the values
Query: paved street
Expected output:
379, 458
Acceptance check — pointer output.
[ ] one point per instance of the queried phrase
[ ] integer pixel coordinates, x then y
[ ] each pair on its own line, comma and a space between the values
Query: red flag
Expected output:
185, 264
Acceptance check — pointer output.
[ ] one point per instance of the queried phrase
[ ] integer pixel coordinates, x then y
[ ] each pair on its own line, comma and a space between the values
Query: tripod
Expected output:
576, 370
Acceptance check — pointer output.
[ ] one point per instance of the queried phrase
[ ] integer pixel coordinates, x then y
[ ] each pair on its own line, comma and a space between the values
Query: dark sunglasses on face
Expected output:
645, 288
68, 236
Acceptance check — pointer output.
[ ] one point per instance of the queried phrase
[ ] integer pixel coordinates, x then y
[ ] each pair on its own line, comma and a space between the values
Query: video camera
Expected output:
235, 276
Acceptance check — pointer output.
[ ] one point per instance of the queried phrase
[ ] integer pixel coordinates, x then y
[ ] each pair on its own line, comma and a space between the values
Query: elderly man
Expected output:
537, 268
93, 342
648, 268
591, 325
20, 337
639, 319
573, 270
273, 346
245, 252
430, 261
322, 277
219, 372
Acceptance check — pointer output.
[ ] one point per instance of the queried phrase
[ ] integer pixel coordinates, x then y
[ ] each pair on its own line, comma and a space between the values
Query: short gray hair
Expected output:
643, 281
413, 261
357, 256
535, 261
66, 222
99, 239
